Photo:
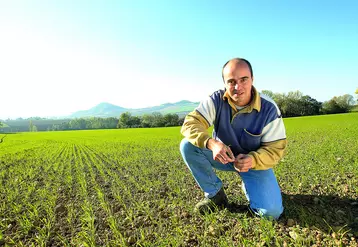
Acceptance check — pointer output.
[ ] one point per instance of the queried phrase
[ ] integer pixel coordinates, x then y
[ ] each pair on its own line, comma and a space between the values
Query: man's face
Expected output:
238, 82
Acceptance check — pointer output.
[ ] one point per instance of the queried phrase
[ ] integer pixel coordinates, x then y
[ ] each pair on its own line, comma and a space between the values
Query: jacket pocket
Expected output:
249, 141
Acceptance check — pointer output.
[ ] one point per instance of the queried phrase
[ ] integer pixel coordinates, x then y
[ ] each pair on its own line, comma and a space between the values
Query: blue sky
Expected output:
58, 57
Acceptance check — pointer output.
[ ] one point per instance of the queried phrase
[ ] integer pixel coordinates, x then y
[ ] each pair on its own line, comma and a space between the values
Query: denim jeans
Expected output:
260, 186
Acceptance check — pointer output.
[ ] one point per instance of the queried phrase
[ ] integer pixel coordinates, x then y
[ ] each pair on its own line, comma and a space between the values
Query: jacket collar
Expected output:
254, 104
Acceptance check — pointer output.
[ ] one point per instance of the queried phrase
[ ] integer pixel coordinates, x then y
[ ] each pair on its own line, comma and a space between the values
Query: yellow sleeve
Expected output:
268, 155
195, 129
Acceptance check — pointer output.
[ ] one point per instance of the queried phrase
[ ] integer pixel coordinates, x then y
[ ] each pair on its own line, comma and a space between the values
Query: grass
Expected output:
131, 187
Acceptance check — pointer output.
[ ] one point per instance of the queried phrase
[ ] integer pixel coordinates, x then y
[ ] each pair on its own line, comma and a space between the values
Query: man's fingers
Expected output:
243, 166
221, 159
226, 158
240, 156
243, 161
242, 169
246, 165
230, 154
224, 154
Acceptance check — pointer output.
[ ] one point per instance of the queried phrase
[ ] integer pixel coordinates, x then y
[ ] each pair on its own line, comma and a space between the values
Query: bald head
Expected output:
238, 79
236, 63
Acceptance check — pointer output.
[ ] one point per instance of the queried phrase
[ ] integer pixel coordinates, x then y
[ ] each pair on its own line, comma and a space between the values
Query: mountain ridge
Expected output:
105, 109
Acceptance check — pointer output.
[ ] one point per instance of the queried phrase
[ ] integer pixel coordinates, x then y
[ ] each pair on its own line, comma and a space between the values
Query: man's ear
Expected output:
252, 79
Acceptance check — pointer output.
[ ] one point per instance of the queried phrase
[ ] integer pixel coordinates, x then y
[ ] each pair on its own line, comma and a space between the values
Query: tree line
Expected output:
86, 123
156, 119
125, 120
295, 104
291, 104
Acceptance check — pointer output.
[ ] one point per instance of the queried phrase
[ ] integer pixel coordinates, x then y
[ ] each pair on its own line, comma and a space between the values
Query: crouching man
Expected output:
249, 138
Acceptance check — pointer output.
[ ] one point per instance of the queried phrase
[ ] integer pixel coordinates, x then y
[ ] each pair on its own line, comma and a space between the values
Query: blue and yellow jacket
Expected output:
256, 130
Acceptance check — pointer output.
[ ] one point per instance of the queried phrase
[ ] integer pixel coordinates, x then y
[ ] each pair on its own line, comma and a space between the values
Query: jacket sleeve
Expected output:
268, 155
195, 129
273, 145
197, 122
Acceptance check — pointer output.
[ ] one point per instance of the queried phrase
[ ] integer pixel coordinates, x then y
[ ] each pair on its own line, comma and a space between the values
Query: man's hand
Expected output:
243, 163
221, 152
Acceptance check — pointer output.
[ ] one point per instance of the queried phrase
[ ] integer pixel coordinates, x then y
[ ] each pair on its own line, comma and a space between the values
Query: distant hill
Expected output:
109, 110
101, 110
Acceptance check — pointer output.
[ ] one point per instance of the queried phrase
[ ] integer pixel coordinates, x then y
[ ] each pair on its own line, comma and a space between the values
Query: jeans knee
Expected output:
186, 147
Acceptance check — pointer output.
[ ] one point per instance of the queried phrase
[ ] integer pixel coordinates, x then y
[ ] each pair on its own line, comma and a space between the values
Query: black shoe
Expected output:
211, 204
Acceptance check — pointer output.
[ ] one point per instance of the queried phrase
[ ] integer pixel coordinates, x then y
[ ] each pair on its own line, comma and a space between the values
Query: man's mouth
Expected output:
238, 93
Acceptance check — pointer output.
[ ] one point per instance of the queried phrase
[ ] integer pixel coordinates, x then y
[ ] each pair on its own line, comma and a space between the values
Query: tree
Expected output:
268, 93
295, 103
65, 126
147, 121
331, 107
124, 120
356, 92
135, 122
280, 101
181, 121
340, 104
110, 123
295, 95
78, 124
170, 120
32, 127
310, 106
158, 120
290, 105
345, 101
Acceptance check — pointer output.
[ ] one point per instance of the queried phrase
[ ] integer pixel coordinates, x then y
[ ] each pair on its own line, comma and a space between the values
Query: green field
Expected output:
131, 187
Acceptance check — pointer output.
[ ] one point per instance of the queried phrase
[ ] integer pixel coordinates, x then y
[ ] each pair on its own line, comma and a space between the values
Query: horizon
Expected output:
62, 57
108, 103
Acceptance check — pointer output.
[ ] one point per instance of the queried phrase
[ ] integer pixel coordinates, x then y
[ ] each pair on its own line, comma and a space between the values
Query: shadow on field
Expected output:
2, 138
327, 213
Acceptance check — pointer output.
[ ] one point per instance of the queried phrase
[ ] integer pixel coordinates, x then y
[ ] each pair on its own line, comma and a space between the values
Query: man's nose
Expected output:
237, 86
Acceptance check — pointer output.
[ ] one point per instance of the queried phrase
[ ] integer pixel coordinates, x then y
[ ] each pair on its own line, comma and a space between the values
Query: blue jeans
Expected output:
260, 186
